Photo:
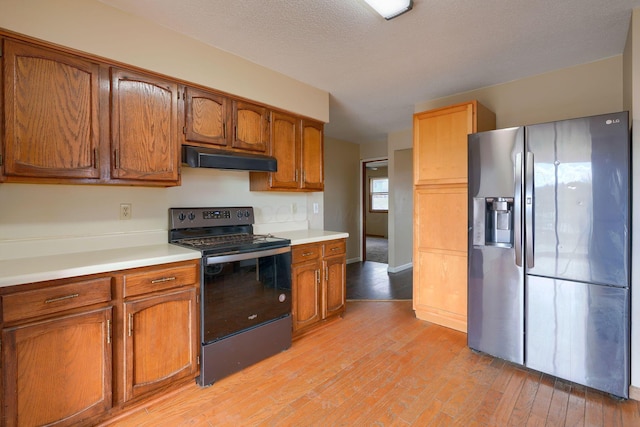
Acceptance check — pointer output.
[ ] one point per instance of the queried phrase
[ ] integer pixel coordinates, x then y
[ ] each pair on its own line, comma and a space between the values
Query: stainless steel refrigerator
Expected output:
549, 248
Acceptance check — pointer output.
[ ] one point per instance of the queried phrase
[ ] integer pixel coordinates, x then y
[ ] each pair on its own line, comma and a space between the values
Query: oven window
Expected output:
242, 294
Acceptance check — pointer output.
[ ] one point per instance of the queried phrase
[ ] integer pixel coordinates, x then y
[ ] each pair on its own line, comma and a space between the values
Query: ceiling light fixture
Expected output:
390, 8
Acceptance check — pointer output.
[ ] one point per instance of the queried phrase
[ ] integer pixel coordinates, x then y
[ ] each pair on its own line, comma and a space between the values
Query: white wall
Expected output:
583, 90
373, 150
342, 192
400, 152
68, 216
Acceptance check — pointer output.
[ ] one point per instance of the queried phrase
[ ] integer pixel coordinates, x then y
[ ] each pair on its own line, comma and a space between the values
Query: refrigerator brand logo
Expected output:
612, 121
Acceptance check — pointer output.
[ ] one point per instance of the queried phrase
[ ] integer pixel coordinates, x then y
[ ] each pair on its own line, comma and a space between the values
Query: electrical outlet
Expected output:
125, 210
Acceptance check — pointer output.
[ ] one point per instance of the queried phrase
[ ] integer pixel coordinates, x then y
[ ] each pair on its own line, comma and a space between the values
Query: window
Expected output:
379, 194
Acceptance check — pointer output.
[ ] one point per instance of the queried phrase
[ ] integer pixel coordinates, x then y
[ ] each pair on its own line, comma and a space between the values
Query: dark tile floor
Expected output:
370, 281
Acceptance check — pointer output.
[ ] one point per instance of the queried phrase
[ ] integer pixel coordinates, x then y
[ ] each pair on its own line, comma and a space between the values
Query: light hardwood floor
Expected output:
380, 366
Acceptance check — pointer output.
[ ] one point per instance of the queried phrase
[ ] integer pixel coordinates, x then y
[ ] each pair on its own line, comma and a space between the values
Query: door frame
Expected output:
363, 202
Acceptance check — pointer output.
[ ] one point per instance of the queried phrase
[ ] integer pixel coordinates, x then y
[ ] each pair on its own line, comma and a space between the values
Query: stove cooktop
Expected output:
216, 231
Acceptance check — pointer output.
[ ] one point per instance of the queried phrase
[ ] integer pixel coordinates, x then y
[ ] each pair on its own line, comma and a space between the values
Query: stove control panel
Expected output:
209, 217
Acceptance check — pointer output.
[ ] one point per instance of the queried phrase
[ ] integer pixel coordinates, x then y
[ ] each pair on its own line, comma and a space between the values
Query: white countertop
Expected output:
64, 265
29, 270
300, 237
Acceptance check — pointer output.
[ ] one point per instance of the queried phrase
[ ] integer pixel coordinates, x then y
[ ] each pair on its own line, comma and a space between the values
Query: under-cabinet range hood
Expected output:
201, 157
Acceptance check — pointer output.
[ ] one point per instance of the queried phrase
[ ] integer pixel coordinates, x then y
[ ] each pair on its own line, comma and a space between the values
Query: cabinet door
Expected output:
51, 106
161, 324
144, 117
306, 294
58, 372
312, 156
207, 115
285, 146
251, 127
440, 144
440, 255
335, 273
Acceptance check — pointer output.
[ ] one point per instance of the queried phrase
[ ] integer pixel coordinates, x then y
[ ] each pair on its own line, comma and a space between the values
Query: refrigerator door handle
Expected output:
517, 209
528, 210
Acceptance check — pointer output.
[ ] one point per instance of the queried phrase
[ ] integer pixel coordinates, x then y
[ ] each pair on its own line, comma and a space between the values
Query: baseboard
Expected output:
634, 393
400, 268
352, 260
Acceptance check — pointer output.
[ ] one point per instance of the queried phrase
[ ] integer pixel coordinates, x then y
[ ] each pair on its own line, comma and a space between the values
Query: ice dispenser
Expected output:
493, 221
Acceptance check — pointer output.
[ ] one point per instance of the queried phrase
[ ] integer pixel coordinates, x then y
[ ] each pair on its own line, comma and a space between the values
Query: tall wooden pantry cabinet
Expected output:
440, 210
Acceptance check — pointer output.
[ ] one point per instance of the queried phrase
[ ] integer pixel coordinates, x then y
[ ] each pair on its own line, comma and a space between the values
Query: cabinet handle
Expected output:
61, 298
108, 331
164, 279
335, 249
307, 253
130, 324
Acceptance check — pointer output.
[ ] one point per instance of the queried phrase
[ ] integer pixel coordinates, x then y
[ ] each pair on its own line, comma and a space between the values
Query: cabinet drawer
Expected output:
335, 247
137, 283
53, 299
301, 253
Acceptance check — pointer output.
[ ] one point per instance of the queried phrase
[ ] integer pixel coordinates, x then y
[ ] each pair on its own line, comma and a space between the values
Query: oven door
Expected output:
241, 291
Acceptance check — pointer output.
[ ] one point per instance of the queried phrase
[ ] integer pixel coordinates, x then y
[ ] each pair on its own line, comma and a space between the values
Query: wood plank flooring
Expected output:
380, 366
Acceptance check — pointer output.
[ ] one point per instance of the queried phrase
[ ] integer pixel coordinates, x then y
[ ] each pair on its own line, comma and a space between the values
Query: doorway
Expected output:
375, 211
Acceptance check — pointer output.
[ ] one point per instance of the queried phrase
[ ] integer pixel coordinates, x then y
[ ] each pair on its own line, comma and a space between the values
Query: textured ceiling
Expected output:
376, 70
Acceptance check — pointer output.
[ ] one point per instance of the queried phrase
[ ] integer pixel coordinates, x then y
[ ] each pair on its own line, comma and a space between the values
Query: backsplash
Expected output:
52, 219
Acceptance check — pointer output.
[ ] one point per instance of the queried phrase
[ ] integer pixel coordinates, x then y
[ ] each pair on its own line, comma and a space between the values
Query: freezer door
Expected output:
495, 314
579, 332
579, 223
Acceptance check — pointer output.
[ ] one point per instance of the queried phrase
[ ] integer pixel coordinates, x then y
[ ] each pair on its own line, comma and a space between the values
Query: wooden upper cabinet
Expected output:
51, 104
144, 117
312, 153
297, 144
285, 147
440, 141
207, 117
251, 127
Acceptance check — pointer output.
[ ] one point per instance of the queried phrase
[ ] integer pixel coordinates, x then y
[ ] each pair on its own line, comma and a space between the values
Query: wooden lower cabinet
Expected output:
77, 351
306, 293
58, 371
318, 283
165, 324
440, 258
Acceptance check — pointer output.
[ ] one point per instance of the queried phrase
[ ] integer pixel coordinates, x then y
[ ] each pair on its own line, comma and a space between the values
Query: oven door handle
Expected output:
219, 259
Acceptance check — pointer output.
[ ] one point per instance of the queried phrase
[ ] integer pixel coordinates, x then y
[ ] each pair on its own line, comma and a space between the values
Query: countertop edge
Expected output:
62, 266
301, 237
